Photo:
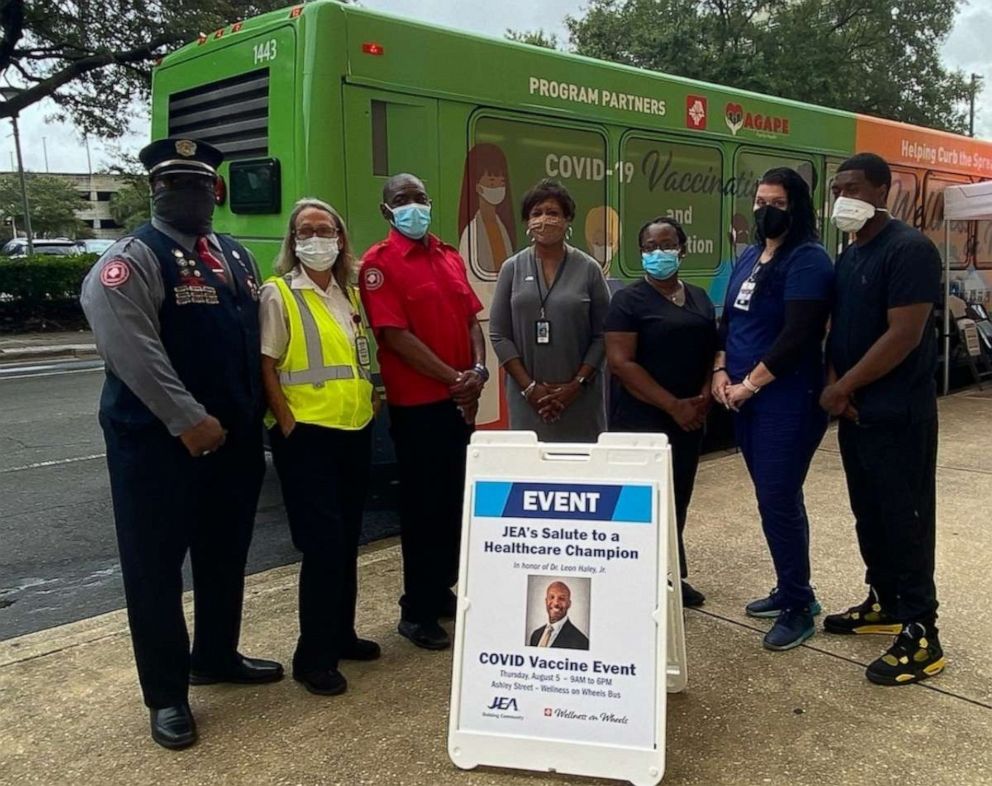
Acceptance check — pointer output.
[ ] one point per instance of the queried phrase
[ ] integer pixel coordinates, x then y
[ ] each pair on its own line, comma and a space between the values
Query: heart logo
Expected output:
734, 115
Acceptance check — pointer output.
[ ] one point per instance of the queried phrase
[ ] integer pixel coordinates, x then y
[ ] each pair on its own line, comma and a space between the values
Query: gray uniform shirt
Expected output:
126, 328
576, 308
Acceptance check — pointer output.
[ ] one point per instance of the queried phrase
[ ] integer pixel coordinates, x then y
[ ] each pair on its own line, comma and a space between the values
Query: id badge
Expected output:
362, 350
542, 332
743, 301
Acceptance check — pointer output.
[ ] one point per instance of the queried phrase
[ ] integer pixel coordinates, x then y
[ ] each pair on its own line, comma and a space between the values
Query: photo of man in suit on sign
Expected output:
559, 631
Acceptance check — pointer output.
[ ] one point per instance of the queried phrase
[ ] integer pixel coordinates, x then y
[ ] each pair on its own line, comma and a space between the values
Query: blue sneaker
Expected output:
774, 605
791, 629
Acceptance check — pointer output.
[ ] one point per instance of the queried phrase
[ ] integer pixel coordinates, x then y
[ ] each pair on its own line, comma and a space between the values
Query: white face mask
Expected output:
494, 196
850, 215
317, 253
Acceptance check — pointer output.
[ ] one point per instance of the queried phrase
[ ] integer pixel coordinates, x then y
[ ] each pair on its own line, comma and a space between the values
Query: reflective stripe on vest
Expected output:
320, 376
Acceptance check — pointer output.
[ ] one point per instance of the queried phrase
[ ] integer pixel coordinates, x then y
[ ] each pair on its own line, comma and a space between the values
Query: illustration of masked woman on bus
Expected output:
485, 215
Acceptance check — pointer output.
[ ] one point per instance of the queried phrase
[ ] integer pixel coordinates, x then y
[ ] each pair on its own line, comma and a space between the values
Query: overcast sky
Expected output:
966, 48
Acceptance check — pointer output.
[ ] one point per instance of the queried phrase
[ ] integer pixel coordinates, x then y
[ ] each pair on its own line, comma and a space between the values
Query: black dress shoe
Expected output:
691, 597
361, 649
426, 635
324, 682
246, 671
173, 727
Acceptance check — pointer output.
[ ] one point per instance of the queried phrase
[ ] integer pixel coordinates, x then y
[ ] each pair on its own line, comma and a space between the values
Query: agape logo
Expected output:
734, 117
737, 118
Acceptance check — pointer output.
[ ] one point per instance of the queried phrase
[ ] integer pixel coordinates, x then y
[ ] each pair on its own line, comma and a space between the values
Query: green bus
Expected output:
328, 100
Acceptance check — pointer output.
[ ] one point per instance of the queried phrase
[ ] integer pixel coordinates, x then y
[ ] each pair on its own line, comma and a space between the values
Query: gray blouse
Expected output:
576, 307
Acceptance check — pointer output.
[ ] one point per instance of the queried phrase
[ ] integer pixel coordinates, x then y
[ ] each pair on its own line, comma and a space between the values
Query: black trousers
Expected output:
891, 479
324, 473
685, 462
431, 442
167, 503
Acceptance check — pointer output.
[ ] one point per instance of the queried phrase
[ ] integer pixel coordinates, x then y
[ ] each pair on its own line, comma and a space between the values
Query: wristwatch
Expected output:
482, 371
583, 381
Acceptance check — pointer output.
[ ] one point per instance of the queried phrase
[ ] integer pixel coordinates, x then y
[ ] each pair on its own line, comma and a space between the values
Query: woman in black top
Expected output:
660, 339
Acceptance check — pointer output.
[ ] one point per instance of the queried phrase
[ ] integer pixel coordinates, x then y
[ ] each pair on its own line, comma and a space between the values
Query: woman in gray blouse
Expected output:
546, 325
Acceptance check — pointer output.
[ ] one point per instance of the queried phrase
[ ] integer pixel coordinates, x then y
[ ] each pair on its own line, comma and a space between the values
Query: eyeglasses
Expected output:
308, 232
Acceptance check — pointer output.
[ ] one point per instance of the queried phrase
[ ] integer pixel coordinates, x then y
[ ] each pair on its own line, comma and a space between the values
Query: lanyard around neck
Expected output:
543, 296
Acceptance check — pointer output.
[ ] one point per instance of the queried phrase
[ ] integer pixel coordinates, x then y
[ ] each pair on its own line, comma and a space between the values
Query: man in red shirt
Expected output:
432, 356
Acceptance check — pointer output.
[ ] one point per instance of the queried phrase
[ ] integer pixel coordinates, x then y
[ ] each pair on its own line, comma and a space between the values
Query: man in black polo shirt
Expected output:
883, 356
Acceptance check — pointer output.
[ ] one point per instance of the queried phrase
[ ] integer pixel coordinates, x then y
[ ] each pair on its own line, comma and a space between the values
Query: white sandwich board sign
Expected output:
569, 629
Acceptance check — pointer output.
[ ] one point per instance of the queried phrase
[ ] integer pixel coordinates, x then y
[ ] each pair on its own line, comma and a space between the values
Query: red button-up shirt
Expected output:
424, 289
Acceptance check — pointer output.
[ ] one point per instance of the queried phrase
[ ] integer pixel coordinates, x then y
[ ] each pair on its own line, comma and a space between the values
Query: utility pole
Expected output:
9, 93
975, 79
44, 147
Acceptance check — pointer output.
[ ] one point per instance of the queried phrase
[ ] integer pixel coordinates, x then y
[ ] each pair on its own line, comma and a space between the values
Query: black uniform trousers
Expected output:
891, 480
431, 442
167, 503
685, 462
324, 473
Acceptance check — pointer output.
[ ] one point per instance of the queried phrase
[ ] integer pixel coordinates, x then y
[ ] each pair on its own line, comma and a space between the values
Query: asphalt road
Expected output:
58, 552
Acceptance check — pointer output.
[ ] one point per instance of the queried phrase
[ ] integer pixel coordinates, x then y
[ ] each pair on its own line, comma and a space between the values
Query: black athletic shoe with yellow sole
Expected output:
866, 618
913, 656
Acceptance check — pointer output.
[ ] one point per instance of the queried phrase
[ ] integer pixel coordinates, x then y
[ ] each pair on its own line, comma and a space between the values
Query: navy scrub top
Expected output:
804, 273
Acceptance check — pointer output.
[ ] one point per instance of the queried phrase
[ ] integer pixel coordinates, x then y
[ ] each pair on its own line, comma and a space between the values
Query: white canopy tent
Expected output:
971, 202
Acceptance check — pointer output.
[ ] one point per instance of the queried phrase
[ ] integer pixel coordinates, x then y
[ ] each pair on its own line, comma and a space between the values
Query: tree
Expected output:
534, 37
94, 57
131, 206
872, 56
53, 202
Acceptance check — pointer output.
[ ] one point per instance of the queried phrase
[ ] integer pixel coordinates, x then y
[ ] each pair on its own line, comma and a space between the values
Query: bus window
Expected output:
748, 167
933, 221
677, 180
507, 157
902, 196
983, 245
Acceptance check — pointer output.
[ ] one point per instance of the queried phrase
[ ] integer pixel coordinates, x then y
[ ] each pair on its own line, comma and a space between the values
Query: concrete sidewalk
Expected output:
70, 710
25, 347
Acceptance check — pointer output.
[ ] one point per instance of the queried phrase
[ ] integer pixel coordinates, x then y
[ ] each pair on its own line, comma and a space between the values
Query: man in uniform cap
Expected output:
174, 311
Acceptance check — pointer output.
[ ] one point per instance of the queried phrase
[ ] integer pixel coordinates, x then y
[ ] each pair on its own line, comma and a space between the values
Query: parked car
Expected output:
96, 245
18, 247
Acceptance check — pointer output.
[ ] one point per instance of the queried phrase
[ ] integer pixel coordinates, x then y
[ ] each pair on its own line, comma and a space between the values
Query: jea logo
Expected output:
503, 703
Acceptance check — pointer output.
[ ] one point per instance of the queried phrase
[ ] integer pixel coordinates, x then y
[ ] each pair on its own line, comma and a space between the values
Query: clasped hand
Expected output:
550, 400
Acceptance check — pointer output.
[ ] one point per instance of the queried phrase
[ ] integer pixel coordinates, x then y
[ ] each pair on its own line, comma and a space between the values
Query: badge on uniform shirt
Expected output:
743, 301
115, 272
196, 292
362, 350
253, 288
542, 332
373, 278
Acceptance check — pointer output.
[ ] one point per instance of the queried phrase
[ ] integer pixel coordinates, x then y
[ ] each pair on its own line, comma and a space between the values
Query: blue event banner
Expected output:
577, 501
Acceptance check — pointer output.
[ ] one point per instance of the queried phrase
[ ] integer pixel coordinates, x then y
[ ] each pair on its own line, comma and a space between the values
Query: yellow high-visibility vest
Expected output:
324, 380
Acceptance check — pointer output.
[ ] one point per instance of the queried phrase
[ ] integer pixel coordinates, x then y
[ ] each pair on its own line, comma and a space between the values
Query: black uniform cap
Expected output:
180, 155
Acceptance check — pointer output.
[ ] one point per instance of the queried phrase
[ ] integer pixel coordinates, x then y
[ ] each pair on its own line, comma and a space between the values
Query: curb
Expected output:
20, 354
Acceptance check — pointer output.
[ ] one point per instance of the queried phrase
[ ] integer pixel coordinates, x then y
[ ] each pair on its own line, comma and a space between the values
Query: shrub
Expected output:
43, 289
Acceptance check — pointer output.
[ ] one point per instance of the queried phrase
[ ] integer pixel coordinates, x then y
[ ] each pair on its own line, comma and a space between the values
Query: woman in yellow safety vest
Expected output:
315, 369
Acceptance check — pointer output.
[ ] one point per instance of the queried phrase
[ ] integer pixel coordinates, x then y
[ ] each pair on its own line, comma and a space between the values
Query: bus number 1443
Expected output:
266, 51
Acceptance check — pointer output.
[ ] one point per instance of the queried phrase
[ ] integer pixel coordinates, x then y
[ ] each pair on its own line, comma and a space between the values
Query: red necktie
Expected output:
208, 258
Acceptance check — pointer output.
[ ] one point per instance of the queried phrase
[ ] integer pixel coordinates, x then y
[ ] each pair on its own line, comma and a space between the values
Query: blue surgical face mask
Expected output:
412, 220
660, 264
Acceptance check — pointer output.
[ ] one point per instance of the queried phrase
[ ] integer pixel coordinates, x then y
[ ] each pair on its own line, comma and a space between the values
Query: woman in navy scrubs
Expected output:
660, 340
769, 371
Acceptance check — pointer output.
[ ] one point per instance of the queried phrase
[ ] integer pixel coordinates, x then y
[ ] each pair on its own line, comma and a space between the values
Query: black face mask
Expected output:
187, 209
771, 222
